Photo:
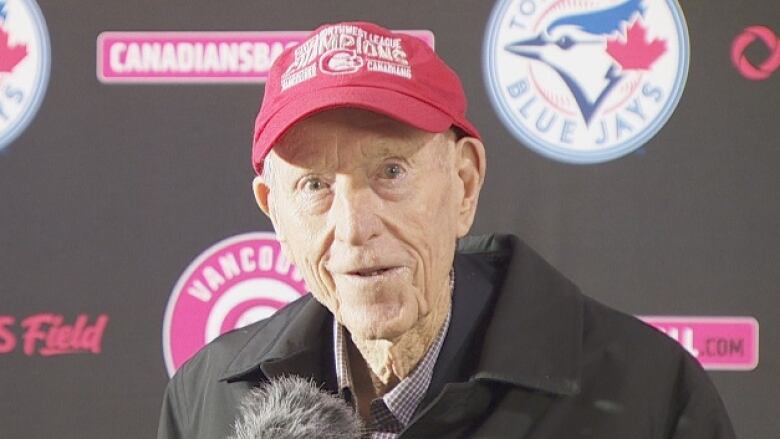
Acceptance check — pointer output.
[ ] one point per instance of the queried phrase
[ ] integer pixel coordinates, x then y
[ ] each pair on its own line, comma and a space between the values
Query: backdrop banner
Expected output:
633, 144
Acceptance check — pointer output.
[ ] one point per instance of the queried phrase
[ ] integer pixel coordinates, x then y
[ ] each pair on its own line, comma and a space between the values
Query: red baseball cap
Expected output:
362, 65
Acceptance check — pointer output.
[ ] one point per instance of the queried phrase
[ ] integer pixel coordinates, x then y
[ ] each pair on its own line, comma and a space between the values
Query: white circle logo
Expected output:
24, 66
585, 81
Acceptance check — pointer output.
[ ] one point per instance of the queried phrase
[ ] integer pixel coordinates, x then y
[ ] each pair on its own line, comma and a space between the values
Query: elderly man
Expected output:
370, 173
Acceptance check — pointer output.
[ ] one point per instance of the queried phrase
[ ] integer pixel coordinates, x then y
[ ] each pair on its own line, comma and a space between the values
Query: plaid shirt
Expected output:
391, 413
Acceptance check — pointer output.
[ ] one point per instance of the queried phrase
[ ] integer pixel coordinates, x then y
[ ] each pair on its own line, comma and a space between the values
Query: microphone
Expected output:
291, 407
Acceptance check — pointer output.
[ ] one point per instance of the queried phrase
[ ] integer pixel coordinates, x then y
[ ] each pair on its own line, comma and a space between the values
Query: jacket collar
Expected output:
534, 338
293, 341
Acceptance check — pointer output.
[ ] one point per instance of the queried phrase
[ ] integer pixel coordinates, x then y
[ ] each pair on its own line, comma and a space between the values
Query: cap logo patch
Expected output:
340, 62
346, 49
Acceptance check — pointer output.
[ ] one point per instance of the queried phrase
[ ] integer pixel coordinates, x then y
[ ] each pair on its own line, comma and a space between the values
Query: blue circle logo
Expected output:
24, 66
585, 81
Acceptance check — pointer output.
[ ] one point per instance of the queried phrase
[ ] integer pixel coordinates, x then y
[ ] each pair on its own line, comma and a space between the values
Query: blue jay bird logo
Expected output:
569, 41
585, 81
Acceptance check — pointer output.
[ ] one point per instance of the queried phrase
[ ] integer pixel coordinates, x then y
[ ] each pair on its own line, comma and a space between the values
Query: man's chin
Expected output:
380, 325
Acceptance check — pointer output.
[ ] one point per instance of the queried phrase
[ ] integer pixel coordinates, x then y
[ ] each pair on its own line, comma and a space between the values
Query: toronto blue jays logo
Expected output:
585, 81
24, 66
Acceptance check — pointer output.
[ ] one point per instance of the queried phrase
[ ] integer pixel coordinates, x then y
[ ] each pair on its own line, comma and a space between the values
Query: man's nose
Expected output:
354, 213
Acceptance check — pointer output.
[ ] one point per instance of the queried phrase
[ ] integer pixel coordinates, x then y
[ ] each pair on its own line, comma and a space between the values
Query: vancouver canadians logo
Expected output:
50, 334
203, 57
585, 81
24, 66
233, 283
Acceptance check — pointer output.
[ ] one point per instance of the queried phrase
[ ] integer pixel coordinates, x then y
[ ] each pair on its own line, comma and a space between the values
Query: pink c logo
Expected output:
233, 283
745, 39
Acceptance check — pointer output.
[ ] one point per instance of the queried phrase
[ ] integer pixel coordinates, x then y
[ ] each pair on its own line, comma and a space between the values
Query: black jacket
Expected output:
526, 356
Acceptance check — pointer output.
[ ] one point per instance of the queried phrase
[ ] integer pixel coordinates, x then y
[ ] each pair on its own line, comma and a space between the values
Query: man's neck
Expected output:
384, 363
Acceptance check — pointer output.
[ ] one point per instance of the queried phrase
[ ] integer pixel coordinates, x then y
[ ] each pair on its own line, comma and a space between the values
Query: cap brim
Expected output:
397, 105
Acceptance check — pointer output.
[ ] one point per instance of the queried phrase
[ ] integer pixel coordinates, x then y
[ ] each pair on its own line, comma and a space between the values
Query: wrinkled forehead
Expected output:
348, 130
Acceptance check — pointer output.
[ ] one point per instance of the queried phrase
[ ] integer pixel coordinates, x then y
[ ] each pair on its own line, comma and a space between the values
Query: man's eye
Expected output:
313, 185
392, 170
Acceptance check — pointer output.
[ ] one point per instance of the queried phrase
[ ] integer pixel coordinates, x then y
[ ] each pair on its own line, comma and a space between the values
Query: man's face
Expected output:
369, 210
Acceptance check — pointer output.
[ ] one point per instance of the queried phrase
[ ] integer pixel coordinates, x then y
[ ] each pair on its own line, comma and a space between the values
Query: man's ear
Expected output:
262, 192
471, 165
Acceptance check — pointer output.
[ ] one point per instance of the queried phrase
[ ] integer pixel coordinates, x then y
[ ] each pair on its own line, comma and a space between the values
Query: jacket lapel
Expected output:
452, 413
534, 338
301, 345
515, 415
523, 320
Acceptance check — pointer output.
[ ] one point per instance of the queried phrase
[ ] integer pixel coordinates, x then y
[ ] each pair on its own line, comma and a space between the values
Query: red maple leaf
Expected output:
10, 56
633, 51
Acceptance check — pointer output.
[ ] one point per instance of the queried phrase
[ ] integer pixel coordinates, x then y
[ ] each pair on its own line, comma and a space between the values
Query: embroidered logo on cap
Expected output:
340, 61
346, 49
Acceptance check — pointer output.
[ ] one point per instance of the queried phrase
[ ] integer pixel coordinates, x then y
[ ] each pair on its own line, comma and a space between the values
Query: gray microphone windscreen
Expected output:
291, 407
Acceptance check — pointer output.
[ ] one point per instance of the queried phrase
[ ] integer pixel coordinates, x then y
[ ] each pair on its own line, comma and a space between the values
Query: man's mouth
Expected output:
370, 271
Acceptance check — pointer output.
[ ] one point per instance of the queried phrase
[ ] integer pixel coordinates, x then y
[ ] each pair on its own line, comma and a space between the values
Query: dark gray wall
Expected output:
114, 189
